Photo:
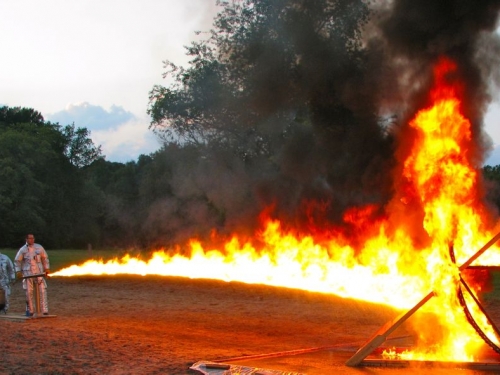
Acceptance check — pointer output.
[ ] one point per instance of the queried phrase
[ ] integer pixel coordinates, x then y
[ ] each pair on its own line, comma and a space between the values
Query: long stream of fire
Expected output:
438, 190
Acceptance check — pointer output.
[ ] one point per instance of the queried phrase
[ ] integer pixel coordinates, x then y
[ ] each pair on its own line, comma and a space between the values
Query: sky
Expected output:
94, 62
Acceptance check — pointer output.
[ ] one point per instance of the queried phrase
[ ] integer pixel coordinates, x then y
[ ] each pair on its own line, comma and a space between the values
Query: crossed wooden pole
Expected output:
381, 335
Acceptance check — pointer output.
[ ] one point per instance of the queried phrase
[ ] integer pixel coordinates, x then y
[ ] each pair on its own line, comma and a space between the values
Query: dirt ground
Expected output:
162, 325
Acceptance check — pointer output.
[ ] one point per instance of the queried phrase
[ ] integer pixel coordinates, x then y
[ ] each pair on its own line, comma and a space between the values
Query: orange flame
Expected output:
438, 197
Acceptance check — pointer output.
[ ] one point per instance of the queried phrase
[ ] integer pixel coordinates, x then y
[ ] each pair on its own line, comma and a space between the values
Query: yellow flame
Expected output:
285, 261
390, 266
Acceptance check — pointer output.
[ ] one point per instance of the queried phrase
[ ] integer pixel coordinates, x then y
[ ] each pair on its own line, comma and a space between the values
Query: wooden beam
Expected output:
478, 253
382, 334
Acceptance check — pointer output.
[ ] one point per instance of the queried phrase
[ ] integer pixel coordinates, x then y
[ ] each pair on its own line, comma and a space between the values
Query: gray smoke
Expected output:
344, 156
416, 33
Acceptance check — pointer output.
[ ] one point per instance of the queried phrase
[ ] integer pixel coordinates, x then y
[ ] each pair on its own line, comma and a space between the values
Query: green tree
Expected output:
491, 176
119, 220
9, 116
80, 149
41, 191
492, 172
21, 192
287, 87
266, 64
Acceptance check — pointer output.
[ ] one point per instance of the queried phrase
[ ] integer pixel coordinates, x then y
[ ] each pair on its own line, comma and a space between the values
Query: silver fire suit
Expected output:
7, 276
33, 260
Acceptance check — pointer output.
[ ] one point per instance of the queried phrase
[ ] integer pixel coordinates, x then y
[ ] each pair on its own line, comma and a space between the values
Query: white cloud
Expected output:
90, 116
122, 135
126, 141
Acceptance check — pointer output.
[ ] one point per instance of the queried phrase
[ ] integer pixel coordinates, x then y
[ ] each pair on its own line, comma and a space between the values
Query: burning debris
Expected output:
393, 250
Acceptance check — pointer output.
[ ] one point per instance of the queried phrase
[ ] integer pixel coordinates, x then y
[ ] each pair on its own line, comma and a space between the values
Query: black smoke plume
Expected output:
333, 122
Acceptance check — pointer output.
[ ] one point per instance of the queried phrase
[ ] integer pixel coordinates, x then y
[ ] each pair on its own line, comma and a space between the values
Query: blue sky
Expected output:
93, 63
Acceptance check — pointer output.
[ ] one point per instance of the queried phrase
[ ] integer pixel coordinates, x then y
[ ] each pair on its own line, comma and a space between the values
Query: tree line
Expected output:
57, 184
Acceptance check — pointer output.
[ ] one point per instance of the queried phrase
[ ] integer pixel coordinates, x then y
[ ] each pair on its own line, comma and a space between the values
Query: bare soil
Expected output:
162, 325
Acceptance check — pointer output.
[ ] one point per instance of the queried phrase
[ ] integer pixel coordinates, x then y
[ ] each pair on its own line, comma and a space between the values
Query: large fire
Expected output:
402, 258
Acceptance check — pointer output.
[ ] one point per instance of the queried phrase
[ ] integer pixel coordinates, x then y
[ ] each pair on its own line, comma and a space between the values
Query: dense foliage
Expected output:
43, 186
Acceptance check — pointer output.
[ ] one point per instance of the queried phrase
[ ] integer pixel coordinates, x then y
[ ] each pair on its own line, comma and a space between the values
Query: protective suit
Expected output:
7, 277
32, 259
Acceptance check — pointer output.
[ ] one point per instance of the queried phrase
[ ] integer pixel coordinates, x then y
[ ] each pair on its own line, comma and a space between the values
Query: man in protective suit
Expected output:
7, 277
32, 259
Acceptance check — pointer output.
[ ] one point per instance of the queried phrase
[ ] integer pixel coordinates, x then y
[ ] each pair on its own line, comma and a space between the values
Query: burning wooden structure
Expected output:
358, 359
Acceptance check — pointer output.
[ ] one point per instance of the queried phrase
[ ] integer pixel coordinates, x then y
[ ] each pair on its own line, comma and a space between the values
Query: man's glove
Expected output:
19, 275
